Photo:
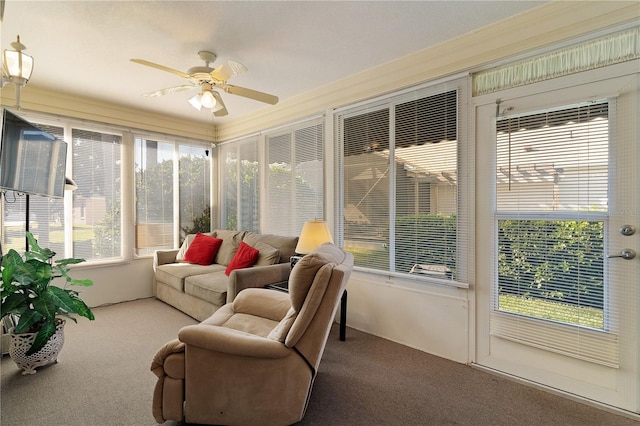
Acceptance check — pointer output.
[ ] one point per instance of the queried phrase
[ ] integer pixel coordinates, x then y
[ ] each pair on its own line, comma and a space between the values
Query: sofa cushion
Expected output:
186, 243
268, 255
210, 287
245, 257
173, 274
230, 242
202, 249
286, 245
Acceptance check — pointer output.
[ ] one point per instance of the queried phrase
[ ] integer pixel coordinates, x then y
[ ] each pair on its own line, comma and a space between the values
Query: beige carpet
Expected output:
103, 378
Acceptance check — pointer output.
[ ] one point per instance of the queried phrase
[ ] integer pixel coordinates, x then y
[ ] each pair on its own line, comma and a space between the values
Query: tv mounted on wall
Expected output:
32, 161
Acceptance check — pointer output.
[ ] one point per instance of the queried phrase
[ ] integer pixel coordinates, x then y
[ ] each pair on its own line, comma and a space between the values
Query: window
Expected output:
154, 195
194, 177
240, 197
552, 205
260, 185
97, 203
172, 194
295, 178
164, 169
399, 175
94, 160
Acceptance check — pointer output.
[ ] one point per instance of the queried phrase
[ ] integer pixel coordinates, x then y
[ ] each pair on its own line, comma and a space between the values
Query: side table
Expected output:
284, 286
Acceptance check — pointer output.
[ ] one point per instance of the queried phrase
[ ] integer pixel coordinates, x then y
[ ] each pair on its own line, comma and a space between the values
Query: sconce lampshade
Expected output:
17, 65
314, 233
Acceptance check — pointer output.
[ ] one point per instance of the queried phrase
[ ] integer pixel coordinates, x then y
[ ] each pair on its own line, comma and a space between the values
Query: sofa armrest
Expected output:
162, 257
231, 342
257, 276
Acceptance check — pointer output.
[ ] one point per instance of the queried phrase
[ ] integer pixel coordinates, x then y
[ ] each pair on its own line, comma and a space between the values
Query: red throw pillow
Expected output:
245, 256
202, 249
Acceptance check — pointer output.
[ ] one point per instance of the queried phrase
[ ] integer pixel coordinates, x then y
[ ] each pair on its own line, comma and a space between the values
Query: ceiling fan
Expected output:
206, 79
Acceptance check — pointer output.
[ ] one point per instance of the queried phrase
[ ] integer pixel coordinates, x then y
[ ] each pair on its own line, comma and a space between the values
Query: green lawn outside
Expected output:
556, 311
15, 236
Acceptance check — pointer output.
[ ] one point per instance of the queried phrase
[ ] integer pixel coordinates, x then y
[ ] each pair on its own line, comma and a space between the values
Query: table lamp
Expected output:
314, 233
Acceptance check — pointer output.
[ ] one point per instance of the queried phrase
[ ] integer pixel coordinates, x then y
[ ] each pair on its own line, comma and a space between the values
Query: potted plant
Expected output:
35, 307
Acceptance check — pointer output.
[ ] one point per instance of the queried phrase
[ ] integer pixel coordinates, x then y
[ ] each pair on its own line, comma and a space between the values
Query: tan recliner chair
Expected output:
254, 361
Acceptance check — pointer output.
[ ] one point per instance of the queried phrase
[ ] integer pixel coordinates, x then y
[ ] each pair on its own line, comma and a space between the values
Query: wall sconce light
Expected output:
17, 67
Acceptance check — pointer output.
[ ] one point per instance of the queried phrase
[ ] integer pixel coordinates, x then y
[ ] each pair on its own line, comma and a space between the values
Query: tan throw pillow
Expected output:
269, 255
185, 245
230, 242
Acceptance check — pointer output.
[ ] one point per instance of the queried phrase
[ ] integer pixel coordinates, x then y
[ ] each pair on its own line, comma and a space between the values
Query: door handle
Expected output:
626, 254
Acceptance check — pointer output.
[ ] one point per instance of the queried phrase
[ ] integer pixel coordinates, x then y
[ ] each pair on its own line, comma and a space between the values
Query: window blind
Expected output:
154, 175
194, 185
239, 192
294, 176
97, 228
399, 167
551, 217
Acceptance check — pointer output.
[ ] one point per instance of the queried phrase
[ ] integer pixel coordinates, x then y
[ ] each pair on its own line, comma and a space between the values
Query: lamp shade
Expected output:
17, 65
314, 233
208, 101
196, 101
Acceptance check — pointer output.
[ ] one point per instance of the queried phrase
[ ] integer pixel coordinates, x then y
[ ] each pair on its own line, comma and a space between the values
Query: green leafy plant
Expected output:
27, 292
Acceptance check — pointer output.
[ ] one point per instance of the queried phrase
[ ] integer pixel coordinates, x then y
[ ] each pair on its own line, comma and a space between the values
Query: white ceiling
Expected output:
289, 47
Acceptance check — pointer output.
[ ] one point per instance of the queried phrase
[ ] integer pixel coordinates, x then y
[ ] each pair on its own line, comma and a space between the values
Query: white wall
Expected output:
115, 283
429, 317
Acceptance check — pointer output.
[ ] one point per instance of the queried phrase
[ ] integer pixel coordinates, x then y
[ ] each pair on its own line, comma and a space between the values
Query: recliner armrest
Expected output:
256, 276
232, 342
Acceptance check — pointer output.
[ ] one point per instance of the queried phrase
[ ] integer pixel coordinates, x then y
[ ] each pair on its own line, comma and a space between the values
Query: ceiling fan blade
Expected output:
161, 67
169, 90
220, 110
251, 94
227, 70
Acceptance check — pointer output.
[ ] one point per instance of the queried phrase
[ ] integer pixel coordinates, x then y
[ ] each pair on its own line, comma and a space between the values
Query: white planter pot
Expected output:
20, 344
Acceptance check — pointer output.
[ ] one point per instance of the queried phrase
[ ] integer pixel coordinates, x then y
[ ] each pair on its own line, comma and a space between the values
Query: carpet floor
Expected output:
102, 378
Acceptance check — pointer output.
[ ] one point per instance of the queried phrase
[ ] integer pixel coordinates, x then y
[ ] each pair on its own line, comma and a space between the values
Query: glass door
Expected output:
557, 300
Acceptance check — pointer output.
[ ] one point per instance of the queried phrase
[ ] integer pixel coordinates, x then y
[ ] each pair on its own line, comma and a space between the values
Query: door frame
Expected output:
620, 387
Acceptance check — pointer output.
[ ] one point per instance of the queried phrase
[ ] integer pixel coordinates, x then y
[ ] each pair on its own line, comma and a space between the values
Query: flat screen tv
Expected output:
31, 161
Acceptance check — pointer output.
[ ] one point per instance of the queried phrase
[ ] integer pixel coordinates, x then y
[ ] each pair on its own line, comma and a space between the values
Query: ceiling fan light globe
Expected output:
196, 102
207, 100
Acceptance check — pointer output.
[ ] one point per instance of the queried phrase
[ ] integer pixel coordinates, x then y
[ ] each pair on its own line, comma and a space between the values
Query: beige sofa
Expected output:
199, 290
255, 360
